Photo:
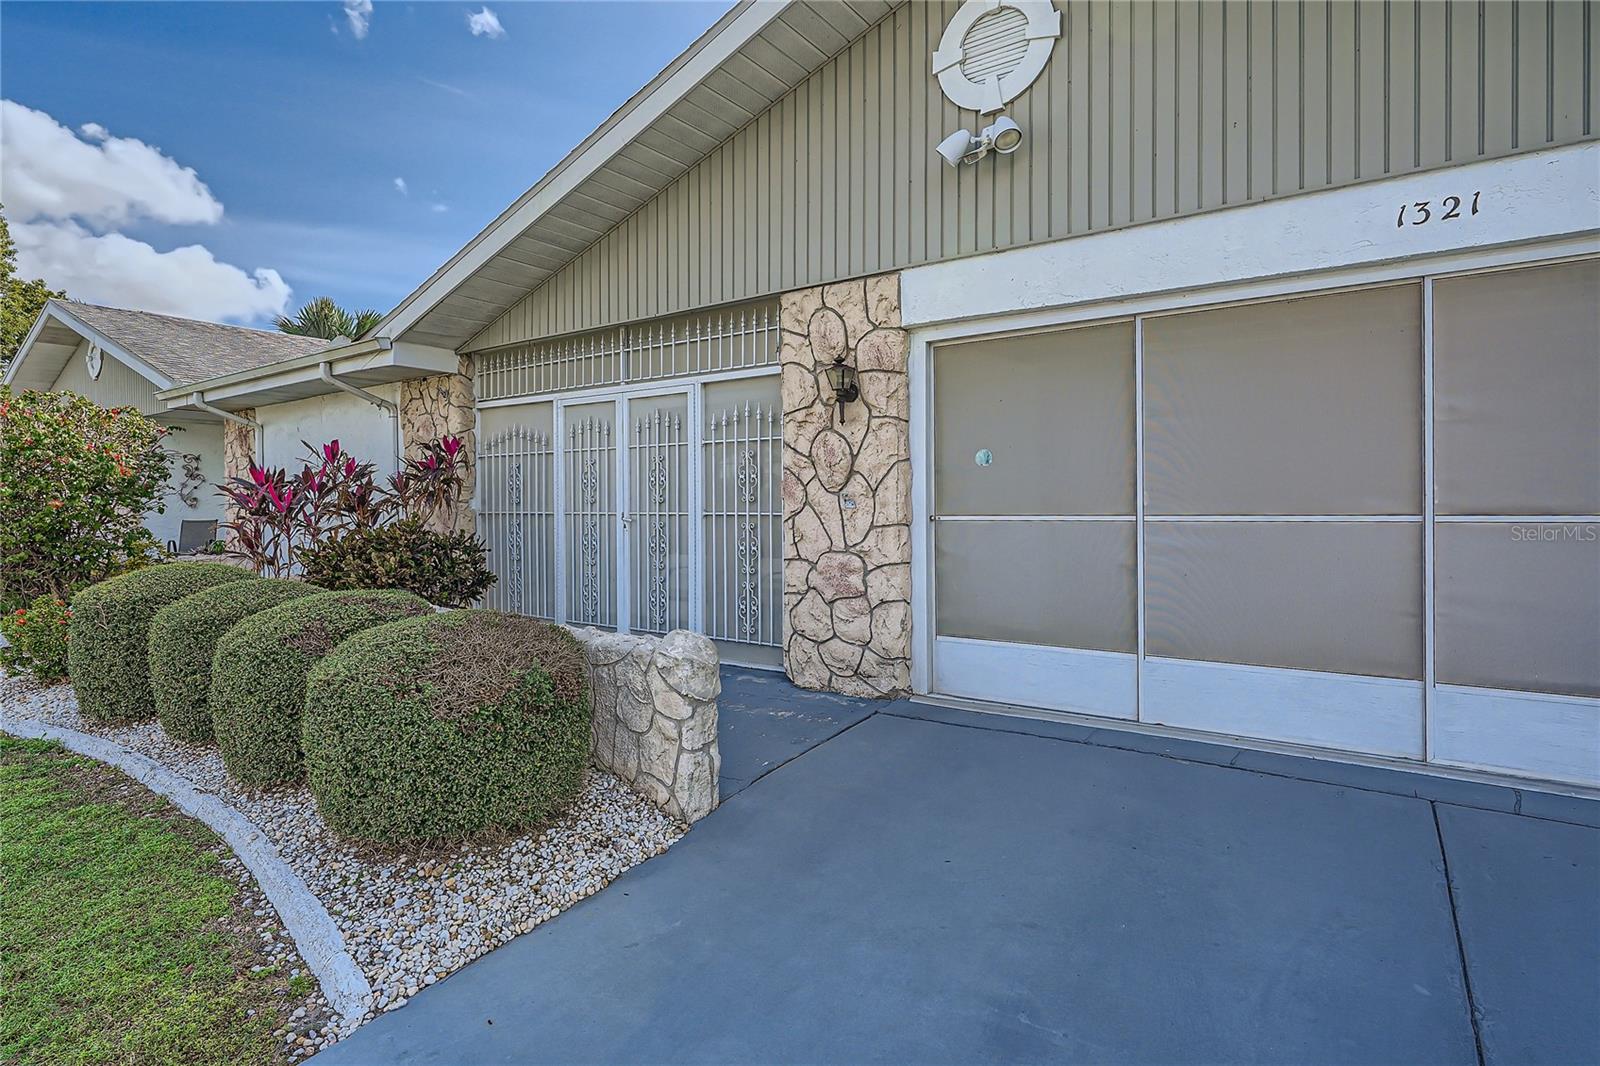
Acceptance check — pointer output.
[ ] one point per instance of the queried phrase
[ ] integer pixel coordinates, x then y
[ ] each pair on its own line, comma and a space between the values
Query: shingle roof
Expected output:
187, 350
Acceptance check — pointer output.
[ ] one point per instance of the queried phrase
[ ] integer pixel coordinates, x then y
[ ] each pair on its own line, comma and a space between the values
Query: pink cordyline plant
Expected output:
429, 488
277, 515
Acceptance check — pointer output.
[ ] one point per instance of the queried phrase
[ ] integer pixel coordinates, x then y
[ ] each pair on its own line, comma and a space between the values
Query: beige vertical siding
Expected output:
1148, 109
118, 385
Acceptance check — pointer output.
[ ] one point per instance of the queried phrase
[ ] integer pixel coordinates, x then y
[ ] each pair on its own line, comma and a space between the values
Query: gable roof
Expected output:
167, 350
748, 61
188, 350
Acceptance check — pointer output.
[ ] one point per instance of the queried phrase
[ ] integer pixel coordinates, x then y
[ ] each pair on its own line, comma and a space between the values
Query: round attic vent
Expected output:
993, 49
996, 44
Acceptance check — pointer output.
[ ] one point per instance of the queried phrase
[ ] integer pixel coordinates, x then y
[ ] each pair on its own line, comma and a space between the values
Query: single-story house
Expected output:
121, 358
1226, 368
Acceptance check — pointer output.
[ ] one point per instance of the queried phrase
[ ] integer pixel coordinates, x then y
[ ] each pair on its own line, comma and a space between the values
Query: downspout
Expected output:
198, 399
325, 371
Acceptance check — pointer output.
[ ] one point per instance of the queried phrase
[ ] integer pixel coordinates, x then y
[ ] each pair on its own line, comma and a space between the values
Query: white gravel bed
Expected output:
409, 918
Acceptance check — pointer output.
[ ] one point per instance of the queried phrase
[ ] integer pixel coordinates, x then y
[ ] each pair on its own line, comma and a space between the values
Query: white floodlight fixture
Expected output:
1003, 135
953, 149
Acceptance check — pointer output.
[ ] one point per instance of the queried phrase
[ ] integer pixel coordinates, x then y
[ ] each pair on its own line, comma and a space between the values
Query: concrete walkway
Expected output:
935, 886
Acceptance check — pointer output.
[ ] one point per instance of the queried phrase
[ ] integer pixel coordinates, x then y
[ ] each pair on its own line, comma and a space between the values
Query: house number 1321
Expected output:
1423, 211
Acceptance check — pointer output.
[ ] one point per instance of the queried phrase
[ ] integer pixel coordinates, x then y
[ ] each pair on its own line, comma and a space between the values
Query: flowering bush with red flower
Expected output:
36, 639
283, 518
75, 482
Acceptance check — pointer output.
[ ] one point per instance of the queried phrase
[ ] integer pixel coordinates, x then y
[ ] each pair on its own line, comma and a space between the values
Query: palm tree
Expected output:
324, 318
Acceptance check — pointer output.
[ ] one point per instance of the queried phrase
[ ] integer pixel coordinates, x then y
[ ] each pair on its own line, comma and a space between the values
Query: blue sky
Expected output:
299, 127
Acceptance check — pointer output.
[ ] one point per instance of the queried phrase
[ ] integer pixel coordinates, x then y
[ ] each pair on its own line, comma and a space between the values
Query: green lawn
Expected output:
120, 938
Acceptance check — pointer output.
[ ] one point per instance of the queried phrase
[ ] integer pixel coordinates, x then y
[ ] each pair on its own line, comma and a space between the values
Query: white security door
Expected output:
591, 520
657, 527
629, 479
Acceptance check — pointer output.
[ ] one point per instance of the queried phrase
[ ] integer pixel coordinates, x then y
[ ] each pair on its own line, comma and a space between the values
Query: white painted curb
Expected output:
319, 940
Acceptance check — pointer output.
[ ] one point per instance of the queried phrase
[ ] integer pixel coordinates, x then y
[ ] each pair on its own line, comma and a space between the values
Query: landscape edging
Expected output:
319, 941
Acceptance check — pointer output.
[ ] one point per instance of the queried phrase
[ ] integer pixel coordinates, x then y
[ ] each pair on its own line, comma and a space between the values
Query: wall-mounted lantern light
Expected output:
842, 380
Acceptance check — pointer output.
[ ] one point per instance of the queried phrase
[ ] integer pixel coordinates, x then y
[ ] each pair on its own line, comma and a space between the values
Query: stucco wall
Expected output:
363, 430
204, 440
847, 491
438, 406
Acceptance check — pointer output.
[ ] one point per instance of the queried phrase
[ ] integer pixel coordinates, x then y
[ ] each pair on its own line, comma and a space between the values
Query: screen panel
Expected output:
1067, 584
1342, 597
742, 523
1517, 391
1518, 606
589, 457
1305, 406
1052, 411
659, 497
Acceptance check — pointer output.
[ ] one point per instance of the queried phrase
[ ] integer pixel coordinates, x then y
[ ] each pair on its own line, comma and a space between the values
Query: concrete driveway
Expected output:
897, 883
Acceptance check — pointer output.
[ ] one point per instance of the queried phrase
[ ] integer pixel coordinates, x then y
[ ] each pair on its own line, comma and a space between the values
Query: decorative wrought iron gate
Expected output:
613, 495
658, 514
516, 518
642, 512
743, 525
589, 503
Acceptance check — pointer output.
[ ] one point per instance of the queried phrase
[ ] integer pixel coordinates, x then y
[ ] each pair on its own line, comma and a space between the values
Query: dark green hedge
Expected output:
446, 569
109, 635
184, 636
258, 676
440, 727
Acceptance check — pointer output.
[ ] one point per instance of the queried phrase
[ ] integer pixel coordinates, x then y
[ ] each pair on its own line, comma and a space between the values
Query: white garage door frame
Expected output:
1546, 209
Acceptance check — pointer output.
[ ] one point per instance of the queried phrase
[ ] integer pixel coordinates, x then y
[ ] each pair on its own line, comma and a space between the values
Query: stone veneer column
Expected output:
441, 406
846, 491
238, 452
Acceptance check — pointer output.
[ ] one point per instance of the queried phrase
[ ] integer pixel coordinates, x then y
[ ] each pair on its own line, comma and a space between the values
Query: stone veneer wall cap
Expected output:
655, 715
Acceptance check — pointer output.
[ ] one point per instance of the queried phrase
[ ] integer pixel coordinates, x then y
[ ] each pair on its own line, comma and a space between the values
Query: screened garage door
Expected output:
1222, 520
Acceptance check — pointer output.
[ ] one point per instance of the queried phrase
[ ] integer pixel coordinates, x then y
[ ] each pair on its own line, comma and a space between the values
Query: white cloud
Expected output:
113, 269
485, 23
47, 171
66, 196
400, 186
359, 13
440, 209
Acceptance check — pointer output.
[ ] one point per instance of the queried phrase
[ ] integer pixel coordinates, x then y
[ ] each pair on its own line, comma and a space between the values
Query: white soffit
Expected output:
994, 49
744, 64
1540, 196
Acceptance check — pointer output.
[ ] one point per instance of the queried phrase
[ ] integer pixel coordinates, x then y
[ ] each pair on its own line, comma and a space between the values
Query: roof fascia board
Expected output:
27, 343
307, 370
721, 42
54, 309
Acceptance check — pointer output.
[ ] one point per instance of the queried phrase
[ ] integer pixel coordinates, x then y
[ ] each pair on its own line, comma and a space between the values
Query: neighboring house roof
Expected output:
744, 64
186, 350
167, 350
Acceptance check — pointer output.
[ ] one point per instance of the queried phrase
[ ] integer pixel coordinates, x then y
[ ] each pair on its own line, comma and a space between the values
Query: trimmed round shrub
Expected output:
109, 635
183, 638
258, 676
439, 727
